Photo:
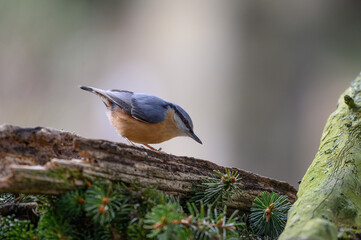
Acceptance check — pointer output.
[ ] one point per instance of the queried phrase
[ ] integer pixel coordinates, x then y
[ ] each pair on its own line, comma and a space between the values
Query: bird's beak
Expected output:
192, 135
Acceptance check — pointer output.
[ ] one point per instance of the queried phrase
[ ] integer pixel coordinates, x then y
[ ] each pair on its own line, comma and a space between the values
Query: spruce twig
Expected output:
170, 222
218, 187
14, 229
103, 201
269, 214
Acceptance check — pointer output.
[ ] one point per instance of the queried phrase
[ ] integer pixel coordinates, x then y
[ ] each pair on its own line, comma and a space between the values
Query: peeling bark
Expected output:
329, 196
48, 161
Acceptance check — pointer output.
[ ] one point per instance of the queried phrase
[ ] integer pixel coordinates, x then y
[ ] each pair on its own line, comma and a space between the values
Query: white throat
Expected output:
183, 130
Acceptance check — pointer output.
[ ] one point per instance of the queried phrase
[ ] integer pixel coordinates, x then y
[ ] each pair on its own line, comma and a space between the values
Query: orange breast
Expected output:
142, 132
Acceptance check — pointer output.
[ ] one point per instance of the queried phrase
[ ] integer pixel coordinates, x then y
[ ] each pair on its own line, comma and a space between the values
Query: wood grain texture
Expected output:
48, 161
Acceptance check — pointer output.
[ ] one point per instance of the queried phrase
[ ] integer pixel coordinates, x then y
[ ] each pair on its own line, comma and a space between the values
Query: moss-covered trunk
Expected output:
329, 197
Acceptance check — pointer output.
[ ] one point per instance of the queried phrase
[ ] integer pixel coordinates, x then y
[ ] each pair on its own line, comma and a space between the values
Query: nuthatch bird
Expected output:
144, 118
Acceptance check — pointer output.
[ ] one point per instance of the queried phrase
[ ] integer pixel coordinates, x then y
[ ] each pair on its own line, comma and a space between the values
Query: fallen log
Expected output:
48, 161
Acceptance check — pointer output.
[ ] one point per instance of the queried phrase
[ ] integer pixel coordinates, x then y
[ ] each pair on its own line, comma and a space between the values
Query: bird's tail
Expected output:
89, 89
99, 92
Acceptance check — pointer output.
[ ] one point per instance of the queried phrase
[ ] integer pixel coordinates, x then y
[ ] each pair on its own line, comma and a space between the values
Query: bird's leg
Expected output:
147, 145
152, 148
130, 142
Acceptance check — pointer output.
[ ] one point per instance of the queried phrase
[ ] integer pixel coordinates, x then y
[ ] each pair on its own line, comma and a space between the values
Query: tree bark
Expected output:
19, 209
329, 197
47, 161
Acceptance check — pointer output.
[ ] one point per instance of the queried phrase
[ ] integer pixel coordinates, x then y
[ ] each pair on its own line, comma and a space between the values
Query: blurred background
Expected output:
258, 78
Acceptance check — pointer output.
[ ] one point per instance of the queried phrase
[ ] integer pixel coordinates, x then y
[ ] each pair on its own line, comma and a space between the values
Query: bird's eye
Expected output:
187, 124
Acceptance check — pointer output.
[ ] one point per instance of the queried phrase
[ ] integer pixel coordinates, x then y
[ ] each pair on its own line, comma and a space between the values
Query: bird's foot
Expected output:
152, 148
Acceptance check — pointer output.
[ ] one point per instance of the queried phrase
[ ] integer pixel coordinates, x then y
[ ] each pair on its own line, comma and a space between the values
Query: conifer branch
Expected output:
269, 214
218, 188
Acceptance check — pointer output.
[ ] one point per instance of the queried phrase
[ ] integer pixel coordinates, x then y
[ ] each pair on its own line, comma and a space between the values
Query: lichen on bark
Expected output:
329, 195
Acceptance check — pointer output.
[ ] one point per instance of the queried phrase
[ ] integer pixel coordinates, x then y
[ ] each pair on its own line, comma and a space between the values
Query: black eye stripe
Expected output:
184, 120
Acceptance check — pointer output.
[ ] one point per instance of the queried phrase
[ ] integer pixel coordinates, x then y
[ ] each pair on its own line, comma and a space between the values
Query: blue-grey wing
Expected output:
121, 98
144, 107
148, 108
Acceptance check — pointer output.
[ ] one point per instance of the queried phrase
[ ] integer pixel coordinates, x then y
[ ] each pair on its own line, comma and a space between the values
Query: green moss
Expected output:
315, 229
329, 201
349, 233
68, 177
